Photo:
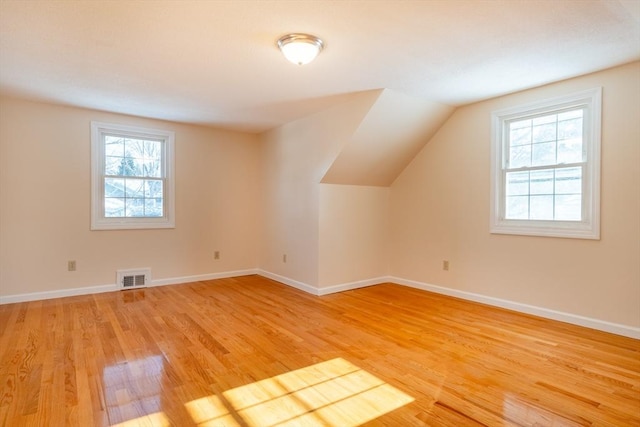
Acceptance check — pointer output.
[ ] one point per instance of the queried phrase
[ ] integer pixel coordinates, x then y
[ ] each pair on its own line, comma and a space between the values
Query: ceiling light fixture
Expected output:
300, 48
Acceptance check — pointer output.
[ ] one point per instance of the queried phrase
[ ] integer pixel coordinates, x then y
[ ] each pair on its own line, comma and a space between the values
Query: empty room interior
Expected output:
320, 213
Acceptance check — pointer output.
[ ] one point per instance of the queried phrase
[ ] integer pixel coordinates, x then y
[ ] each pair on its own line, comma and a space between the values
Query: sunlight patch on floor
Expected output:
333, 393
210, 411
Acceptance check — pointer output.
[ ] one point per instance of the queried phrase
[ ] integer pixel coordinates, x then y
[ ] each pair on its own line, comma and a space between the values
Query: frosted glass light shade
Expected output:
300, 48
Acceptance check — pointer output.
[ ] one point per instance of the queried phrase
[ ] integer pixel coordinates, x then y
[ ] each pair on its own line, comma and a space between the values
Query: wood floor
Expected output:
249, 351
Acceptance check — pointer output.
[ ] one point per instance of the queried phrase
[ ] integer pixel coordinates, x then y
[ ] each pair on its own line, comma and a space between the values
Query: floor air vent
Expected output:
130, 279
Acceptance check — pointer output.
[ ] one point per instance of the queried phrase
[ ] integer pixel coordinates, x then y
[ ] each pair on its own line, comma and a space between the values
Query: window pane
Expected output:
114, 187
542, 182
520, 156
517, 207
152, 168
153, 189
127, 167
568, 208
139, 167
134, 188
569, 181
517, 183
570, 151
543, 154
113, 207
134, 207
113, 146
520, 136
544, 133
520, 124
134, 148
141, 158
112, 165
569, 129
153, 150
541, 207
153, 207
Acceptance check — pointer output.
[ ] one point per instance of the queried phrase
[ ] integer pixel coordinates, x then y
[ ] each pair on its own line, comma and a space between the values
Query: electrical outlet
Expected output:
445, 265
216, 255
71, 266
284, 257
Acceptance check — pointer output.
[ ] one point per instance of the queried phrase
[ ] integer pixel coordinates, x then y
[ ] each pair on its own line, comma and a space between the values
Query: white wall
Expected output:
440, 210
354, 240
45, 203
332, 232
295, 158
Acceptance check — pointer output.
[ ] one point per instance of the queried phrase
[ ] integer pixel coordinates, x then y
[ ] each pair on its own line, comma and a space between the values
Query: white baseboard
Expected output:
326, 290
201, 277
289, 282
35, 296
601, 325
352, 285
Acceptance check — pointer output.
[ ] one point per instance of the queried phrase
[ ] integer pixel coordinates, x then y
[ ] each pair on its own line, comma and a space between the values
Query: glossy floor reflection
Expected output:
134, 387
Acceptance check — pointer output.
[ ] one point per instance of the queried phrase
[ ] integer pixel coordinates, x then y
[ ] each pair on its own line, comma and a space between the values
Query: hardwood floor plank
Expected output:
249, 351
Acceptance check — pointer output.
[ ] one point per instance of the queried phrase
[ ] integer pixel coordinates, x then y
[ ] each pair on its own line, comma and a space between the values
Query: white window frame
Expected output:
589, 226
98, 219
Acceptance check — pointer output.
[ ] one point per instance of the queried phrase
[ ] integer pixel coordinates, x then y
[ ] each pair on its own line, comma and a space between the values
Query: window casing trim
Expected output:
98, 219
589, 226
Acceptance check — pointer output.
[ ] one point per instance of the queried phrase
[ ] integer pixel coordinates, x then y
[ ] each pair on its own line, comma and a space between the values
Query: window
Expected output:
546, 168
131, 177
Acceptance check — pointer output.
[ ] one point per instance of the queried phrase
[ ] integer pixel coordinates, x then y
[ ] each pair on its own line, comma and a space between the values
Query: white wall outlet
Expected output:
216, 255
445, 265
71, 265
284, 257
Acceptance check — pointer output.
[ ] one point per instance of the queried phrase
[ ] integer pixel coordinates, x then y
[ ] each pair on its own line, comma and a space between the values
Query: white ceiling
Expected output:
216, 62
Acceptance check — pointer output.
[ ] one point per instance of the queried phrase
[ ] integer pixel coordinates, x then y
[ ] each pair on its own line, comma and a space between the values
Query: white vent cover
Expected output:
134, 278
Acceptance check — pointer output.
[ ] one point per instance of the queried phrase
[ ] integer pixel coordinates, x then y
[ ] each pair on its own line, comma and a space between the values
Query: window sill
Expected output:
570, 230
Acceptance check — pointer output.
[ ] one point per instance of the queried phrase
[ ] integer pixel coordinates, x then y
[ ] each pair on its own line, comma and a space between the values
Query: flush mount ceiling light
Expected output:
300, 48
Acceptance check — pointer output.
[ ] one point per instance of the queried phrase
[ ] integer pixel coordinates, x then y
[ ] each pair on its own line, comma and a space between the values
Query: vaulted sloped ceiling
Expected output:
396, 127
